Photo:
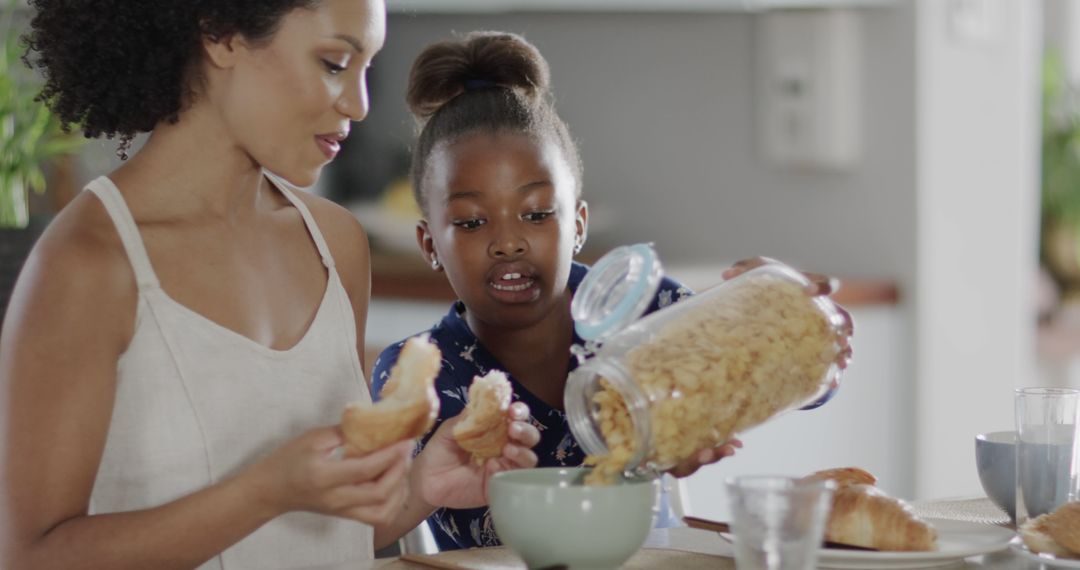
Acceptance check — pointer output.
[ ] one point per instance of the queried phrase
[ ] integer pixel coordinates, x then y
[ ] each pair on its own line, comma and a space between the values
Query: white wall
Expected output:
977, 122
663, 103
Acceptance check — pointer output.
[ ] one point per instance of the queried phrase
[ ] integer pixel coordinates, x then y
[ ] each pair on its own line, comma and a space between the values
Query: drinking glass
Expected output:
1047, 456
778, 522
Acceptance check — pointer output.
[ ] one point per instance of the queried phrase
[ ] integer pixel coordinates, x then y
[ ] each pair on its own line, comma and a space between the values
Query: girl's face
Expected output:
289, 103
503, 221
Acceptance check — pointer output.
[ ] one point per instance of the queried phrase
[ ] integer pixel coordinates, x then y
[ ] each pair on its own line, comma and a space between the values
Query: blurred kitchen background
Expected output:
892, 143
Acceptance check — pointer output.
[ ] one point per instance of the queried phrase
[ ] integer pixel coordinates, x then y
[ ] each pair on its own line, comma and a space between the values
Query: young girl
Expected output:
498, 179
184, 337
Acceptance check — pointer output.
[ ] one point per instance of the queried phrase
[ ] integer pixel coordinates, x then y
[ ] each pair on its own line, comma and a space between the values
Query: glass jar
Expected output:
650, 392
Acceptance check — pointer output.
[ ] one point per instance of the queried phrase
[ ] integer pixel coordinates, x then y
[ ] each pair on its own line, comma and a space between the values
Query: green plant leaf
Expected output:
30, 135
62, 146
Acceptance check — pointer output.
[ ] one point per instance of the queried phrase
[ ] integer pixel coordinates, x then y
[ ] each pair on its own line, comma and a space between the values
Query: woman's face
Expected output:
289, 103
503, 220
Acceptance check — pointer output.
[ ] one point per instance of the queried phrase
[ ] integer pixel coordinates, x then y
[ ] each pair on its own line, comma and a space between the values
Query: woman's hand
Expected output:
819, 285
306, 474
705, 457
448, 477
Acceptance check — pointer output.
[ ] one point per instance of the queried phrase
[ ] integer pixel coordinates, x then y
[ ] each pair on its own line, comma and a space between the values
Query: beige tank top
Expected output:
196, 401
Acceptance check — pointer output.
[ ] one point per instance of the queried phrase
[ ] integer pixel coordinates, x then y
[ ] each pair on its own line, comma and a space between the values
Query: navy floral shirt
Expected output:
464, 358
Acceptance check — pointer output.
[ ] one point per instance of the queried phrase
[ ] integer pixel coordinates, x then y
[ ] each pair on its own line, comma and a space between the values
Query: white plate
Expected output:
1047, 560
956, 540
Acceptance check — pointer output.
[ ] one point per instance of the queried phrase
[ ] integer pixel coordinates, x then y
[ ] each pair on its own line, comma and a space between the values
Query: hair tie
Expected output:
477, 84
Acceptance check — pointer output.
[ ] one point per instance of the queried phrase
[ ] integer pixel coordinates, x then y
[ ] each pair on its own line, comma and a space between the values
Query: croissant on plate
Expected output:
1056, 533
863, 515
844, 476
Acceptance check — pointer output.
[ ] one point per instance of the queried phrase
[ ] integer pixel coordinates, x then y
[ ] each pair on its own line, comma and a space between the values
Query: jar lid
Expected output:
616, 291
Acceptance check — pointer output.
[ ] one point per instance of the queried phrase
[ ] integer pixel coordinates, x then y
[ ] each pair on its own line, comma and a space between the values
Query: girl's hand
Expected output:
705, 457
448, 477
306, 474
819, 285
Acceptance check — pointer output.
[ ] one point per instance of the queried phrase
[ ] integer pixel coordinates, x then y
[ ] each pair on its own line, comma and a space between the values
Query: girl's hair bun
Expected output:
477, 61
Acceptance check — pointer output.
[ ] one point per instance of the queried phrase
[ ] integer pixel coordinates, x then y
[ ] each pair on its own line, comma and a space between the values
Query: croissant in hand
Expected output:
409, 405
483, 430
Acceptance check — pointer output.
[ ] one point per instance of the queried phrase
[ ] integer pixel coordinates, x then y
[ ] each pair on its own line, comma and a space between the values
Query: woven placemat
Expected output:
501, 558
977, 510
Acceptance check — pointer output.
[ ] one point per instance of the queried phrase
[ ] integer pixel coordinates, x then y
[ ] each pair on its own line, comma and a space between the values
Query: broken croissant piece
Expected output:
483, 430
1064, 526
1036, 536
409, 404
863, 515
1056, 533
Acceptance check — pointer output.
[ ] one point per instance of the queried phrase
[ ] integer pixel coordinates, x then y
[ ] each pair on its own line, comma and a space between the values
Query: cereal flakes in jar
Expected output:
696, 373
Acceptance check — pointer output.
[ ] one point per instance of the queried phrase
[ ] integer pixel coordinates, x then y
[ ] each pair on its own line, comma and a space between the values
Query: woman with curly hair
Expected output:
185, 325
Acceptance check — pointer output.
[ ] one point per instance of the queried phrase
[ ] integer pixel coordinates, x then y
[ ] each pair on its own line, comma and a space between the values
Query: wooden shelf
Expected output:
407, 277
737, 6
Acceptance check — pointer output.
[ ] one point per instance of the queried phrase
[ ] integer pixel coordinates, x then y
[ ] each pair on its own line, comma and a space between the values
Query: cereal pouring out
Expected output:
409, 405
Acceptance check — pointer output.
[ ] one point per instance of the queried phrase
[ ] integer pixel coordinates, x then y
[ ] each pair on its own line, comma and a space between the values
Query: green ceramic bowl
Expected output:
550, 519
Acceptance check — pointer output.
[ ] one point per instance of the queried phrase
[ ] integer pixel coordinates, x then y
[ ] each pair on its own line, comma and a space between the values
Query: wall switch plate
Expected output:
976, 22
809, 87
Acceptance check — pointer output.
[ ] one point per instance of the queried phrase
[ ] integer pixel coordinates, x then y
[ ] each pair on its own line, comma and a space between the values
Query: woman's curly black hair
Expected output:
119, 67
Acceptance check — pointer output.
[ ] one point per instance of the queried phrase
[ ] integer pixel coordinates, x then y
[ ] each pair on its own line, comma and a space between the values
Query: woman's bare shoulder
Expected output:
343, 233
78, 271
83, 241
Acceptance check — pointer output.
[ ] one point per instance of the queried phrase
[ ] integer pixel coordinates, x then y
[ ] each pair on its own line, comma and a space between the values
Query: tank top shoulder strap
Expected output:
117, 208
289, 192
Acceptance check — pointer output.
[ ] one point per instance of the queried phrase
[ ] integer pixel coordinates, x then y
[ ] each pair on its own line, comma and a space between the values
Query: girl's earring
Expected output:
577, 248
435, 263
